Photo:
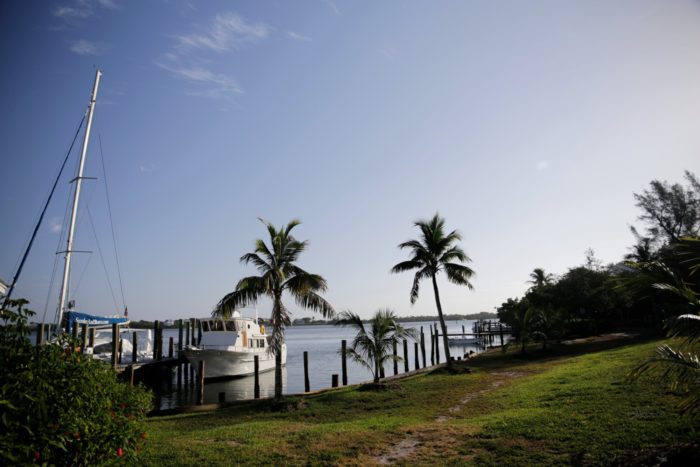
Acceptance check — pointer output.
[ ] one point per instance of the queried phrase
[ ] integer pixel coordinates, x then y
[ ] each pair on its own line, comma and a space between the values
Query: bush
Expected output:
61, 407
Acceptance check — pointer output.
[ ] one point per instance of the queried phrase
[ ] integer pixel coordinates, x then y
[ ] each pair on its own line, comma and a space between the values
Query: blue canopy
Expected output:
93, 320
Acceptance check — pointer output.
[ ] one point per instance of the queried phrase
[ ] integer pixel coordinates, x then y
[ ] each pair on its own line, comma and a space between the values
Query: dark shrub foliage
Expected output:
60, 407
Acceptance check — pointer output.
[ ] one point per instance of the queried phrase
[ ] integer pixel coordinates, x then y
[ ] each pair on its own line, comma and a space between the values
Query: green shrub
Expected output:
61, 407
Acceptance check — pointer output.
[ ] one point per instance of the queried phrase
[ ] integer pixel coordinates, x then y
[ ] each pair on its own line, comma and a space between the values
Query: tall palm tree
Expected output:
436, 251
278, 274
372, 347
539, 278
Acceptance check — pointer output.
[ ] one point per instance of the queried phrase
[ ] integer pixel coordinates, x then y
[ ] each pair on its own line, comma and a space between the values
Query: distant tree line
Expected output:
653, 283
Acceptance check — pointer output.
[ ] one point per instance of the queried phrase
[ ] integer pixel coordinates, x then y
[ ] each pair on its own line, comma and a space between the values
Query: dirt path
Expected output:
412, 441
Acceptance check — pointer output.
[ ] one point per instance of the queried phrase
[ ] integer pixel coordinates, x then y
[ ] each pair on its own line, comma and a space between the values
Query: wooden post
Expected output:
187, 333
405, 356
199, 332
422, 346
222, 397
344, 363
83, 337
91, 337
121, 349
155, 340
396, 362
192, 338
171, 347
200, 381
415, 354
134, 347
464, 334
179, 336
256, 388
40, 334
500, 331
334, 380
131, 375
307, 386
160, 343
437, 346
115, 343
74, 335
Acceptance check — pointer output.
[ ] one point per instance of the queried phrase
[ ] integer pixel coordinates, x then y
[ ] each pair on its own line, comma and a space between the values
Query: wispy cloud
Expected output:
146, 168
186, 61
331, 4
79, 10
84, 47
226, 32
542, 165
298, 37
215, 85
55, 226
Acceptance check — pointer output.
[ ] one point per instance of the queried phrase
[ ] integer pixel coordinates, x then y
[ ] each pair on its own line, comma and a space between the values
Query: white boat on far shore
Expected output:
228, 347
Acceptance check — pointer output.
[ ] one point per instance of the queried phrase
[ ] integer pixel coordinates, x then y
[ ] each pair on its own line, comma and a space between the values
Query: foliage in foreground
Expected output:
60, 407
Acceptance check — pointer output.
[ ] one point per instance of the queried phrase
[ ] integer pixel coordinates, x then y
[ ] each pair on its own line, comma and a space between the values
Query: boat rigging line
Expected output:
41, 217
111, 223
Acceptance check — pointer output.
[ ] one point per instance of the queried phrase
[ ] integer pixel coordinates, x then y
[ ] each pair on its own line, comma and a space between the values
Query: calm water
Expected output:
323, 343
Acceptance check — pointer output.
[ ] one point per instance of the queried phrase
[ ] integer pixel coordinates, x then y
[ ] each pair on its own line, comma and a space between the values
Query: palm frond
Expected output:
407, 266
247, 291
262, 265
415, 288
459, 274
687, 326
313, 301
454, 253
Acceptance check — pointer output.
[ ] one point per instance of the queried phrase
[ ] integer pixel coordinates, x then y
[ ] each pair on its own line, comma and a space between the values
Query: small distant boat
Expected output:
464, 340
228, 347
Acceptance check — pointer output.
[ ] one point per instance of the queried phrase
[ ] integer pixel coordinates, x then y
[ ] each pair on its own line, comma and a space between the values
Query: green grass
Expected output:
570, 405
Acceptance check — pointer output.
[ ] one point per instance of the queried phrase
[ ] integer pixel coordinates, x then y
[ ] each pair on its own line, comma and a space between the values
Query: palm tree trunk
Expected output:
445, 340
278, 351
278, 373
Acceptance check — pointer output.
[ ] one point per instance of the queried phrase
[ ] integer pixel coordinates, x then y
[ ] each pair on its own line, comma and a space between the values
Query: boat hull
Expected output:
230, 364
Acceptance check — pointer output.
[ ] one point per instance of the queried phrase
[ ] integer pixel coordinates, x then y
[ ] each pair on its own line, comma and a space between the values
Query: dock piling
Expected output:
307, 386
334, 380
200, 382
415, 355
115, 344
344, 365
422, 346
256, 388
405, 356
134, 347
40, 334
171, 347
91, 337
396, 362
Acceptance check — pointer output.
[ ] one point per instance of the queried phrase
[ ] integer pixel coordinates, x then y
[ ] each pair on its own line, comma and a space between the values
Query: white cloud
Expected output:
55, 226
542, 165
146, 168
211, 84
84, 47
298, 37
82, 9
331, 4
226, 32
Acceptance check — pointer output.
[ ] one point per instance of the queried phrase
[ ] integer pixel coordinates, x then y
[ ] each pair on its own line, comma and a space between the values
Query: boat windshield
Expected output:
216, 325
230, 325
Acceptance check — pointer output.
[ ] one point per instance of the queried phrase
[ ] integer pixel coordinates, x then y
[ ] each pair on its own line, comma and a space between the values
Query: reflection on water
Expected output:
322, 342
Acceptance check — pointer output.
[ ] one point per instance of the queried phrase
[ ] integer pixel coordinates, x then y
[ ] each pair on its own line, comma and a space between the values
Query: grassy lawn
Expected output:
570, 405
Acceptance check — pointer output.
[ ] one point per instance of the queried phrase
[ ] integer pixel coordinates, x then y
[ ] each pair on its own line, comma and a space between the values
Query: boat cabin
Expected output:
230, 334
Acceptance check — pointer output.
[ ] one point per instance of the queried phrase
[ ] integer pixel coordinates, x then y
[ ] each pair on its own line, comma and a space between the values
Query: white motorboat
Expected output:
228, 347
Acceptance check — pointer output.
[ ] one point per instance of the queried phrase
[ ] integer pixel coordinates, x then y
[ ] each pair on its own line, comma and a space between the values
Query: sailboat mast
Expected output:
74, 211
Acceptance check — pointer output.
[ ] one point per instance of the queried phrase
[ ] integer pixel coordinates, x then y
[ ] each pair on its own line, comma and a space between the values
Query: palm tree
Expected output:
372, 347
278, 274
432, 253
680, 367
538, 278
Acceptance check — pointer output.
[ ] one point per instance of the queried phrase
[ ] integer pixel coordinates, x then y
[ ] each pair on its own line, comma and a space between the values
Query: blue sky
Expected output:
528, 125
